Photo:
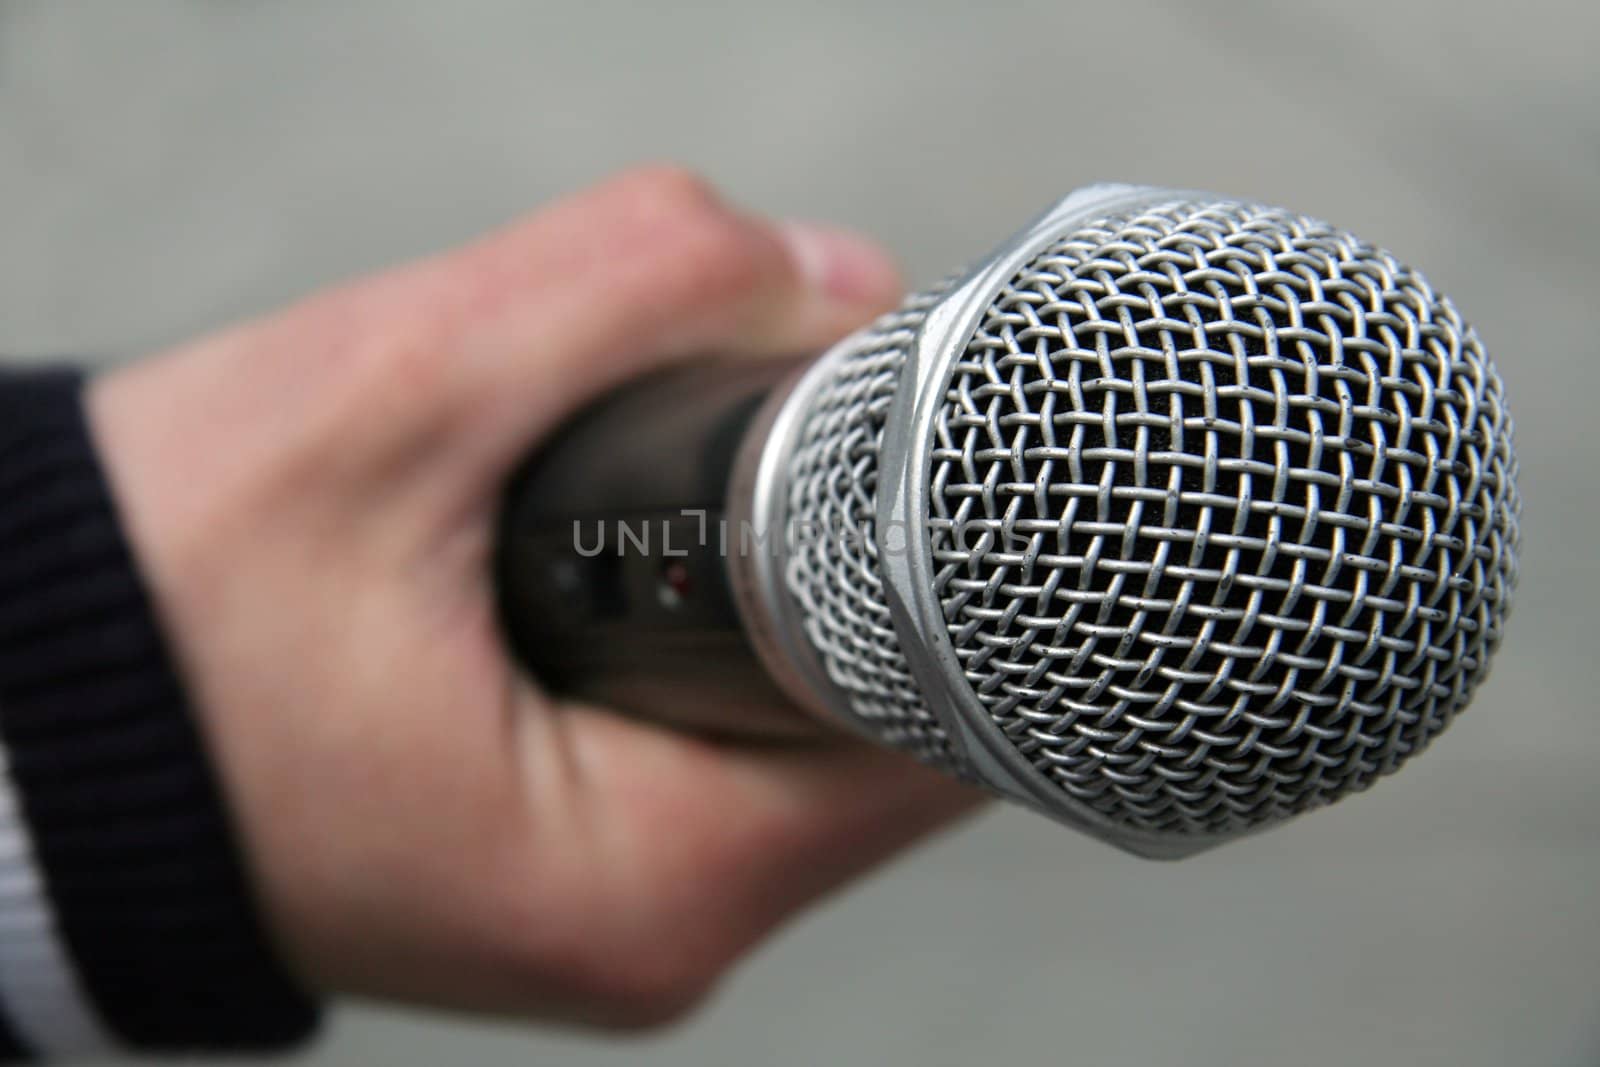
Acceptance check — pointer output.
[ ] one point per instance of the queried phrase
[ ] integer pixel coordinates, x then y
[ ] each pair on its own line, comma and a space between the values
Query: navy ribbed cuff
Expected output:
127, 820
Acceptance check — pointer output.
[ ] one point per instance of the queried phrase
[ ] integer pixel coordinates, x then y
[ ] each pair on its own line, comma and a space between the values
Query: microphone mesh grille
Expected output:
1223, 515
832, 568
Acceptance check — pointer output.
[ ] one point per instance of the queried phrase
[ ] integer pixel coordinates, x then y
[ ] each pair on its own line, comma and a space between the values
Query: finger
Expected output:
811, 821
455, 365
730, 841
648, 269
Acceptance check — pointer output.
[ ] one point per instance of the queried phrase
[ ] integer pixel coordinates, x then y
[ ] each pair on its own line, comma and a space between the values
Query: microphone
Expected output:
1174, 517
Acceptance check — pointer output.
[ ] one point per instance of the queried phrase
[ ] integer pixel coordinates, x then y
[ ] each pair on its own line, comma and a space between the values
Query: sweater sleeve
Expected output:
126, 917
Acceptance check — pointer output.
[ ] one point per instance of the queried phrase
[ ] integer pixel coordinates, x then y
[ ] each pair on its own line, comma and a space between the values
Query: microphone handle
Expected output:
612, 560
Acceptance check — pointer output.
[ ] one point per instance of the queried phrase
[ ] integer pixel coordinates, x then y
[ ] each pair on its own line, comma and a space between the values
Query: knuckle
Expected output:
637, 973
647, 996
631, 984
668, 189
694, 253
395, 363
708, 263
712, 271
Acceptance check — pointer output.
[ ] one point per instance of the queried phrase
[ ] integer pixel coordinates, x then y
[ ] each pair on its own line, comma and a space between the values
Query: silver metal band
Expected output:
758, 502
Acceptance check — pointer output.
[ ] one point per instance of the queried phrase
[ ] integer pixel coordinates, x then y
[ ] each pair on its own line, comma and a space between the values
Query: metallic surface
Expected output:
757, 503
1169, 627
172, 166
830, 602
612, 557
1175, 517
1224, 514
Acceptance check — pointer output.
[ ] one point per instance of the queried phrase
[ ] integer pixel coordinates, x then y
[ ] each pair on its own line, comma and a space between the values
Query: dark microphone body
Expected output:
619, 545
1173, 517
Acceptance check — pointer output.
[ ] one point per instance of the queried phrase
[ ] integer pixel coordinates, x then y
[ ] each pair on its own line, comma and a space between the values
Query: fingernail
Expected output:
841, 264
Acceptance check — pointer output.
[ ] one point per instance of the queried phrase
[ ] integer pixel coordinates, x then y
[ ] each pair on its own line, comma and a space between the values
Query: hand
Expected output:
312, 497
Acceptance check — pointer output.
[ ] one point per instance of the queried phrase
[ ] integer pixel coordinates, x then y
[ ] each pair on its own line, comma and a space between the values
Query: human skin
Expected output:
312, 496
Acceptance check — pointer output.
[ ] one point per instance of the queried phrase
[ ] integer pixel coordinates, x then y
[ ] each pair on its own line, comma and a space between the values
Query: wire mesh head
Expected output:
832, 571
1221, 513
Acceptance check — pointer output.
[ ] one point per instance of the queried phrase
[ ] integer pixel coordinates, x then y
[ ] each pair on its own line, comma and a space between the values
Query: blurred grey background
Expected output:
165, 167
